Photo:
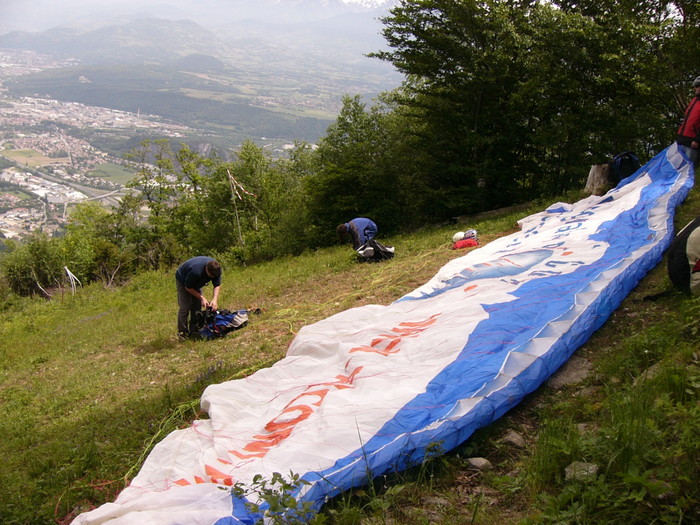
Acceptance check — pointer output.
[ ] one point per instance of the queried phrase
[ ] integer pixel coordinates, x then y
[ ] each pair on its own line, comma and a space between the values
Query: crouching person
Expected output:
358, 231
190, 278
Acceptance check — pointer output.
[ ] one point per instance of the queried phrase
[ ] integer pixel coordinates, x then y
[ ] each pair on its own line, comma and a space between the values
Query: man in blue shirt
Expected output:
359, 230
191, 277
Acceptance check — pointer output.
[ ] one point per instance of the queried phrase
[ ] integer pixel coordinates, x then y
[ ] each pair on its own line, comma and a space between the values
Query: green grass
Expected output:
88, 383
29, 157
22, 195
112, 172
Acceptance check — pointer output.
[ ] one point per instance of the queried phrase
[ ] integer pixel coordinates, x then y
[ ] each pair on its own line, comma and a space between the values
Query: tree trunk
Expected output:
598, 180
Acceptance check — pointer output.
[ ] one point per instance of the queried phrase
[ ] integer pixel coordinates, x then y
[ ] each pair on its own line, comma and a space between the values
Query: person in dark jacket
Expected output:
683, 262
358, 230
688, 136
190, 278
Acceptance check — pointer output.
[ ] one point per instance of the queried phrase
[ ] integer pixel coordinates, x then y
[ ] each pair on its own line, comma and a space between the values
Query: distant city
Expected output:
44, 168
86, 83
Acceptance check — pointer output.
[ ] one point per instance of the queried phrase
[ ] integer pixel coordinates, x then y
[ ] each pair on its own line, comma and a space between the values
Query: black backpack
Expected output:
622, 166
212, 324
374, 251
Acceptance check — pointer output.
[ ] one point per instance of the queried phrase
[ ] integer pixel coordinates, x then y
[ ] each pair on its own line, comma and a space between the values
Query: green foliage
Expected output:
386, 499
342, 187
249, 210
518, 99
31, 267
275, 500
644, 442
557, 446
154, 179
363, 169
8, 297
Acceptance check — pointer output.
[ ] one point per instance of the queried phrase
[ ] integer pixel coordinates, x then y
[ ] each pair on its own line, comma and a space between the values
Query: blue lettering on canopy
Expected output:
506, 266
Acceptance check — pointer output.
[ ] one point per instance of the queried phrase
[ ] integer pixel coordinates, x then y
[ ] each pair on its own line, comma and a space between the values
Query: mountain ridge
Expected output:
144, 39
268, 76
340, 37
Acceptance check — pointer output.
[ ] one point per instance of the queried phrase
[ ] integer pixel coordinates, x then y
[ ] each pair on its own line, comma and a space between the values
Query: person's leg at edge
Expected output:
195, 306
184, 306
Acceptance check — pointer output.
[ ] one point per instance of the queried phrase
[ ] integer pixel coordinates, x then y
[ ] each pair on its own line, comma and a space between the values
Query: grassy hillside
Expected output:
88, 382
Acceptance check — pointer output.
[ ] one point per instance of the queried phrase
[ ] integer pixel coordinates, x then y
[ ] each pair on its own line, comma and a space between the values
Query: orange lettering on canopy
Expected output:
374, 350
263, 443
210, 470
430, 320
304, 412
248, 456
404, 329
217, 476
342, 381
321, 394
394, 340
272, 438
281, 430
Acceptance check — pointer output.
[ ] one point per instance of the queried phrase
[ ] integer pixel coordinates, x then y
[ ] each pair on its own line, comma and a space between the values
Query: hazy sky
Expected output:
40, 13
36, 15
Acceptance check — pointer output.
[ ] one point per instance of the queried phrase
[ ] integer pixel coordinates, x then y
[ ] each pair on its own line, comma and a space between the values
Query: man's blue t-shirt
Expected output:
364, 229
193, 273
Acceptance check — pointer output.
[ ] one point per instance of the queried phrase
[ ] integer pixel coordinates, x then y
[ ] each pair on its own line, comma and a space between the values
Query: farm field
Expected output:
111, 172
32, 159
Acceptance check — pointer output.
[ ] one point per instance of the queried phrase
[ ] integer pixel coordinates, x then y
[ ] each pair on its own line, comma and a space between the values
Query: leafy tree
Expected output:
354, 175
187, 219
294, 230
649, 57
155, 178
8, 297
234, 212
268, 201
94, 245
281, 203
81, 232
33, 266
461, 60
517, 98
157, 185
192, 169
250, 172
220, 228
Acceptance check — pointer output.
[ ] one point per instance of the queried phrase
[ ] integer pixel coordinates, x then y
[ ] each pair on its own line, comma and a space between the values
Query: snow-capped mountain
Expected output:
314, 8
363, 4
369, 4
